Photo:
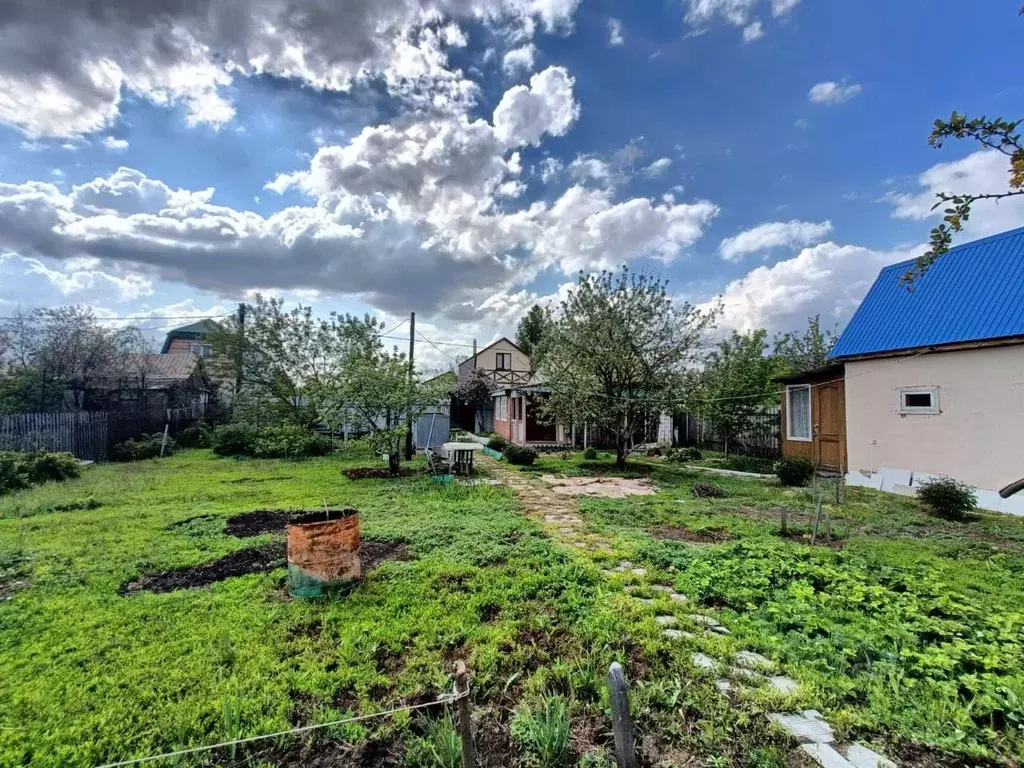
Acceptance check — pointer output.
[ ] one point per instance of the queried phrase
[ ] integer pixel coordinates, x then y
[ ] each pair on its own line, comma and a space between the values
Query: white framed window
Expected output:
919, 400
798, 413
501, 409
503, 361
203, 350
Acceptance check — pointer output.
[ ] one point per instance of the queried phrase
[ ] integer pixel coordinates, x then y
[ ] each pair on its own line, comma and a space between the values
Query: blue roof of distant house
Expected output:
192, 331
973, 293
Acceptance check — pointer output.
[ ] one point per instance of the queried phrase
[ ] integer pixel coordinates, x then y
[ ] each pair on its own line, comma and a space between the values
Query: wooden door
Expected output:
537, 431
829, 415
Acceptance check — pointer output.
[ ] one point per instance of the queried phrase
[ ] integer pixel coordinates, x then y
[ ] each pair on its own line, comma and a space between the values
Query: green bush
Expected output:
143, 447
794, 471
196, 436
234, 440
682, 455
290, 441
517, 454
497, 443
21, 469
948, 498
590, 454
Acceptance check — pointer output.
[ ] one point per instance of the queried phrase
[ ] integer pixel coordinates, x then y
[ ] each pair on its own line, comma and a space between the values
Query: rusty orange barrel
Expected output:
323, 549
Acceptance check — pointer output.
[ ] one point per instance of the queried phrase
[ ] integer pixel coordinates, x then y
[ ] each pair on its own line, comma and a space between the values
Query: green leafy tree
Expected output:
736, 384
373, 390
533, 329
996, 134
286, 359
794, 352
620, 351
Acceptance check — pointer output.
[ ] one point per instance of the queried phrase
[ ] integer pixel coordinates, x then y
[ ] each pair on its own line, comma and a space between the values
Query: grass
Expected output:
907, 632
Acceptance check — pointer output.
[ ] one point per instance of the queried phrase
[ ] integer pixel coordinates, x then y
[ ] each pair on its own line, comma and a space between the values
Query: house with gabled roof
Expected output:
934, 374
190, 338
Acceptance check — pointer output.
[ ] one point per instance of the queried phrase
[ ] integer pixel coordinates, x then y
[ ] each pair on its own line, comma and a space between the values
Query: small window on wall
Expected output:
502, 406
503, 361
798, 413
919, 400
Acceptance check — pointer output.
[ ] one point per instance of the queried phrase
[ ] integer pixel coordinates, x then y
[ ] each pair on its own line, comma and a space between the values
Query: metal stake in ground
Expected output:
465, 721
622, 722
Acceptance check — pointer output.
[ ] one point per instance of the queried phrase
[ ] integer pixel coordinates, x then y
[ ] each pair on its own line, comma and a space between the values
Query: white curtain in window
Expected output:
800, 413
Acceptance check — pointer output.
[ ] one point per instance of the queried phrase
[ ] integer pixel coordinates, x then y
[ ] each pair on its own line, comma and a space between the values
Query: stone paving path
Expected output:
744, 671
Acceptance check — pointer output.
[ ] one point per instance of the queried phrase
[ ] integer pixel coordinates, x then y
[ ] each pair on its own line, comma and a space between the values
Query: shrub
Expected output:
234, 440
794, 471
143, 447
590, 454
542, 729
21, 469
681, 455
948, 498
707, 491
497, 443
290, 441
196, 436
517, 454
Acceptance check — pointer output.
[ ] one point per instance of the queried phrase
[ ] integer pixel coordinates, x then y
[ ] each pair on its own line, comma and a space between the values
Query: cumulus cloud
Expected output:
67, 65
586, 168
658, 167
782, 7
829, 279
77, 280
550, 168
752, 32
775, 234
832, 93
519, 60
547, 106
114, 143
615, 32
984, 171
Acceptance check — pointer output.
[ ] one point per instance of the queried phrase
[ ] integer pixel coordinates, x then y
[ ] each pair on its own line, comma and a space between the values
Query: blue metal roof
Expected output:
974, 292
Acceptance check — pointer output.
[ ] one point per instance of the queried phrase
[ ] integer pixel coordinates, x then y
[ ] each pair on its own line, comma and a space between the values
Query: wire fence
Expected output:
763, 438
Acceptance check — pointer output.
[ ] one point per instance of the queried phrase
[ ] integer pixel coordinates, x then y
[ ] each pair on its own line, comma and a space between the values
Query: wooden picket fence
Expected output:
85, 434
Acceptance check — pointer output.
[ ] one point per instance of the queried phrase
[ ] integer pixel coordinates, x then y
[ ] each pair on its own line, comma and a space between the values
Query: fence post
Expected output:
465, 721
622, 721
163, 442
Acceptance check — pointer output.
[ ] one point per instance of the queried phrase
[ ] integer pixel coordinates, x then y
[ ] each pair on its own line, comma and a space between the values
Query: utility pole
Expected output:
408, 413
241, 347
474, 354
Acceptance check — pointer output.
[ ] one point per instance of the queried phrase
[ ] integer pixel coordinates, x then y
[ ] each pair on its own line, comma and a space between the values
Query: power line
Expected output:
442, 343
140, 317
436, 347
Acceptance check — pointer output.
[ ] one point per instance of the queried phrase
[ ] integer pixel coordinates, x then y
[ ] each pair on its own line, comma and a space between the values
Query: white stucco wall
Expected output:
978, 437
487, 359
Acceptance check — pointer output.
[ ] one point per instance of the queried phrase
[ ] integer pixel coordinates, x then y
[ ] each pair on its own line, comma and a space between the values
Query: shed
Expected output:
814, 417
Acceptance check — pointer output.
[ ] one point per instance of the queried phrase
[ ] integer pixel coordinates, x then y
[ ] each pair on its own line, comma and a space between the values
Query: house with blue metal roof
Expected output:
934, 374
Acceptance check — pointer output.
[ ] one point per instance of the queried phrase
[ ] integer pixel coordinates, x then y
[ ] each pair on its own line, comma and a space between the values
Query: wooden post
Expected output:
465, 719
622, 722
163, 443
408, 411
817, 521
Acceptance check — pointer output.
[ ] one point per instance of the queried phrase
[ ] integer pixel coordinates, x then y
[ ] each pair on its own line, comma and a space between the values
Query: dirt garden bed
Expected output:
604, 487
374, 473
682, 533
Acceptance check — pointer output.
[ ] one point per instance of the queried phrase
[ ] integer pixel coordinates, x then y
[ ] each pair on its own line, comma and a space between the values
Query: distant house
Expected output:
934, 376
190, 338
516, 395
175, 380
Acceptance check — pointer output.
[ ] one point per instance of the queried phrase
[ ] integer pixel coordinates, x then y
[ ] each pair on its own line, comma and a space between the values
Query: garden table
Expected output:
461, 455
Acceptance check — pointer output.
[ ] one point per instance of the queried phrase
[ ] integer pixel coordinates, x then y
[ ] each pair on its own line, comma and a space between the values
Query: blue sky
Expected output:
768, 154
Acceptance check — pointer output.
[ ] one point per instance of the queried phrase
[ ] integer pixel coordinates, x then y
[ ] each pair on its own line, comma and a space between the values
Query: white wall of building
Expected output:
977, 436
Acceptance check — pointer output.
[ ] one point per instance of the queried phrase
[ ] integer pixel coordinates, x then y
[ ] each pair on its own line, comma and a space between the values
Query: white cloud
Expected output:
68, 280
735, 12
550, 168
832, 93
782, 7
802, 124
615, 32
979, 172
828, 279
658, 167
524, 114
67, 66
118, 145
519, 60
590, 168
752, 32
773, 235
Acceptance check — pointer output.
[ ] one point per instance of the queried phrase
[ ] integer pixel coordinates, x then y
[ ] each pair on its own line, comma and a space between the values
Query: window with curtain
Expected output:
501, 409
798, 412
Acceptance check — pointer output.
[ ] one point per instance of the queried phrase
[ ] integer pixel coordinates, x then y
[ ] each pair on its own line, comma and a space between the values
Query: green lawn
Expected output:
908, 633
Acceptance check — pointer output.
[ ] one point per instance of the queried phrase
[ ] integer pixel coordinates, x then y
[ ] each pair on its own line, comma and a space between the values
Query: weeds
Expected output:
542, 728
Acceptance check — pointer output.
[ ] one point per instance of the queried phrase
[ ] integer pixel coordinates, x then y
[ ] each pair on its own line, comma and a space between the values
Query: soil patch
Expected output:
240, 563
374, 473
247, 480
252, 560
804, 537
682, 533
922, 756
262, 521
603, 487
